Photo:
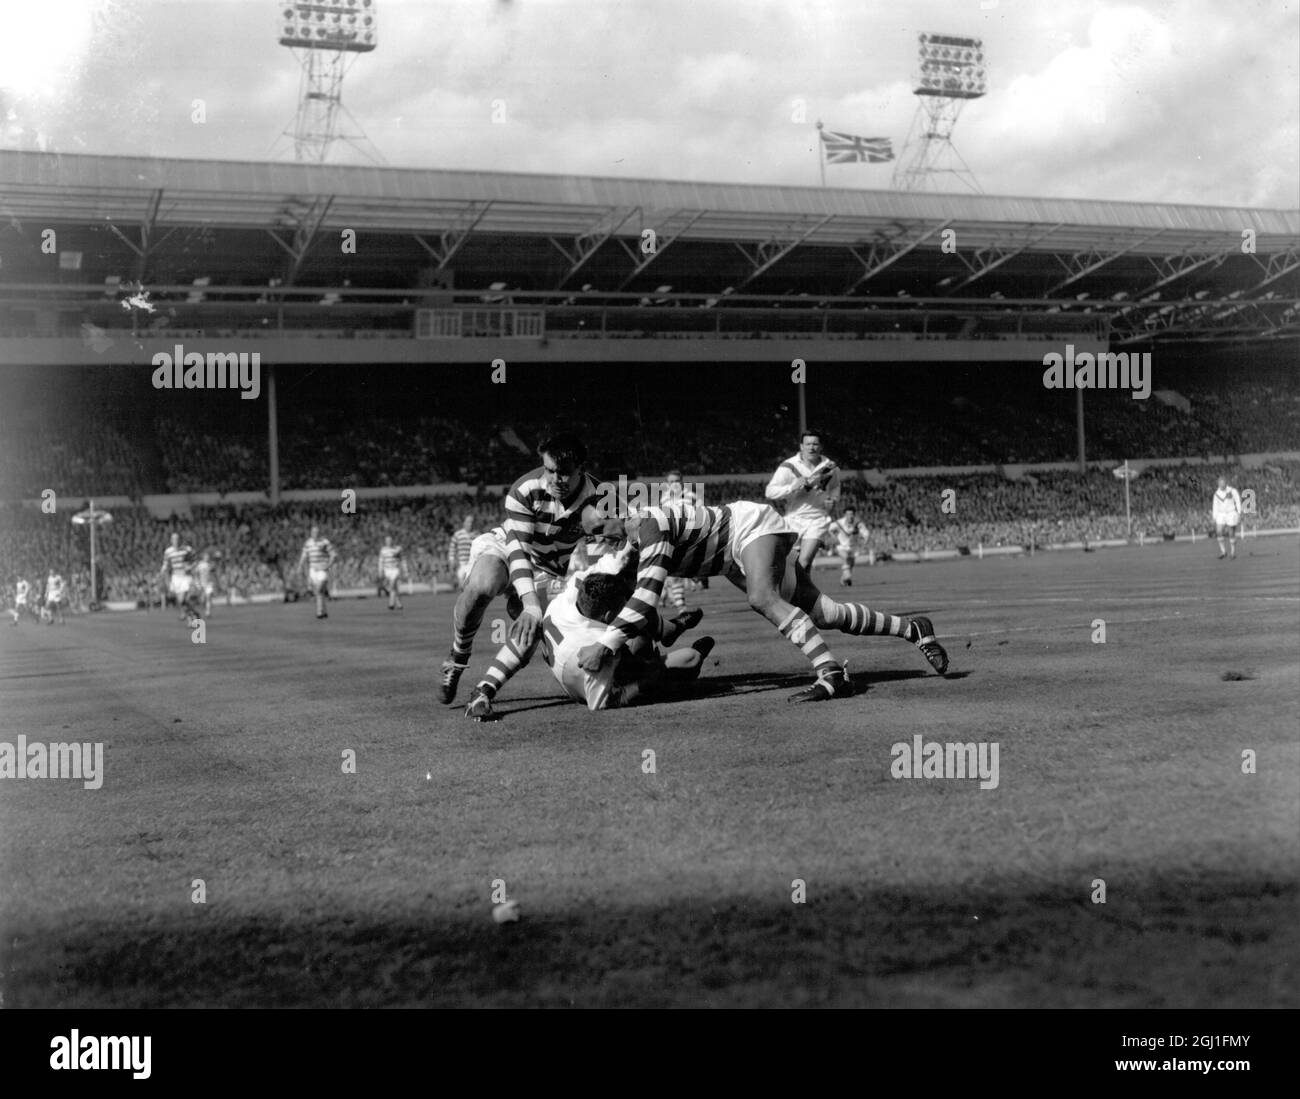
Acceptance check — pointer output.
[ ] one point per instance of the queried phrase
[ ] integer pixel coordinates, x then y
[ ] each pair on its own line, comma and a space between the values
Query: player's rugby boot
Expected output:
921, 634
480, 706
451, 673
834, 683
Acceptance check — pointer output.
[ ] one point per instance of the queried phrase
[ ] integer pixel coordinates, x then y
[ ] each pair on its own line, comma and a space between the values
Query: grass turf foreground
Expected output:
1120, 762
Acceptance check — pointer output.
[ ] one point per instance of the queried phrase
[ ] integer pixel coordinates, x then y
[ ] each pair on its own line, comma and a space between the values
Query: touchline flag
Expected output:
851, 149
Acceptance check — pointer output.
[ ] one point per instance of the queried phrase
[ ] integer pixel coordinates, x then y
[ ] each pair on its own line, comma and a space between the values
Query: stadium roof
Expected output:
237, 194
1180, 271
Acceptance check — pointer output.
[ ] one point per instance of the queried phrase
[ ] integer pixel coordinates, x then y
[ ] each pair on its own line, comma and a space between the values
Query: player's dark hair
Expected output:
810, 431
673, 473
602, 595
566, 448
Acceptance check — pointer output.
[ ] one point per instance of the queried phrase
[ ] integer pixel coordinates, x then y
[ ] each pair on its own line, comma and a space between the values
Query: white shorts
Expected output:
1226, 528
749, 522
462, 574
488, 544
810, 529
318, 578
392, 575
180, 586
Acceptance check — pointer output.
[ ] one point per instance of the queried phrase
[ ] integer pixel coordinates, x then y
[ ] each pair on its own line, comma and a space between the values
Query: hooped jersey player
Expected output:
319, 555
542, 531
178, 561
390, 562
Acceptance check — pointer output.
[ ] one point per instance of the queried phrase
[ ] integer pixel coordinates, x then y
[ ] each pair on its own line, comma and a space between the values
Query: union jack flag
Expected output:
850, 149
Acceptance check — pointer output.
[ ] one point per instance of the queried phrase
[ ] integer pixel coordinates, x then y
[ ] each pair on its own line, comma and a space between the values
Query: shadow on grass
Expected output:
1169, 944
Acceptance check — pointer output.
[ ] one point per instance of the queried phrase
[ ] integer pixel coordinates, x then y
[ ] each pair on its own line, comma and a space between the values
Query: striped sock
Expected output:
508, 660
463, 631
799, 630
676, 591
861, 620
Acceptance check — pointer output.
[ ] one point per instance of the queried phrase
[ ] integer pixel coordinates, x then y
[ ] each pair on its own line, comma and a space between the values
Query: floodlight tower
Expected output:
329, 34
951, 74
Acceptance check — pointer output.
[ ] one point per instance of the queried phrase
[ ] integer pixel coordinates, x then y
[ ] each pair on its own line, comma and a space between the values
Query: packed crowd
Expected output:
255, 549
338, 431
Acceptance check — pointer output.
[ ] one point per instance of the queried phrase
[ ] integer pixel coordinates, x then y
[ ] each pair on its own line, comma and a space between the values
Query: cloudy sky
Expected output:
1164, 100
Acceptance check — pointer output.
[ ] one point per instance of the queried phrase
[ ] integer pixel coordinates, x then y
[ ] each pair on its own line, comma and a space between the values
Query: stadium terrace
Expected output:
222, 370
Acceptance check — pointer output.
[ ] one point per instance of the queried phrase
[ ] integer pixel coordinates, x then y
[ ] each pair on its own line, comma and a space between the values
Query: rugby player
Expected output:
750, 545
809, 485
391, 568
526, 556
20, 607
175, 572
460, 550
203, 577
850, 538
55, 597
1226, 511
577, 618
317, 556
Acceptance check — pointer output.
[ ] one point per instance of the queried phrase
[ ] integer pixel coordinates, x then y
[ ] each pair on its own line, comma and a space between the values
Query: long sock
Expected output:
799, 630
465, 624
861, 621
508, 660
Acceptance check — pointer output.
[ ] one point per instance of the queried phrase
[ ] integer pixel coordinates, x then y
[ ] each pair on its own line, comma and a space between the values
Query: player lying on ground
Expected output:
750, 545
524, 556
578, 616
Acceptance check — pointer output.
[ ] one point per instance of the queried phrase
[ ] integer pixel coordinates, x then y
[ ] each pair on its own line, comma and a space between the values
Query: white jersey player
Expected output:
1226, 510
21, 592
809, 486
55, 597
579, 616
850, 538
203, 578
391, 568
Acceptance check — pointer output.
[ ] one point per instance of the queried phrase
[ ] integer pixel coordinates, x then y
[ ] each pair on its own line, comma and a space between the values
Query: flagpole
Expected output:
821, 153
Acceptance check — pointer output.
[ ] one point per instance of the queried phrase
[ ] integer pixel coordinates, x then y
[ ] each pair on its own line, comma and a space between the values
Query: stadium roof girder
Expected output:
146, 226
1082, 264
662, 242
1168, 319
588, 243
306, 221
1173, 268
1275, 266
451, 239
885, 252
770, 252
991, 258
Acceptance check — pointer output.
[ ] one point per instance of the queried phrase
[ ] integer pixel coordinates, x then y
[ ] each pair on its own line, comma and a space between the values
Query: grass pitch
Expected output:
1120, 761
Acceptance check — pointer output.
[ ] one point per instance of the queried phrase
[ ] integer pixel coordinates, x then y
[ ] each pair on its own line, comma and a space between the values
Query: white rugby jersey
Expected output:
566, 632
1227, 506
54, 588
20, 591
787, 485
203, 572
849, 538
